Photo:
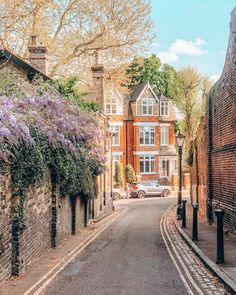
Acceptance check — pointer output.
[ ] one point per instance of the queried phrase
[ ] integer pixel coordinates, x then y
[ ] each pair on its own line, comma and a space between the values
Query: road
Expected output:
128, 258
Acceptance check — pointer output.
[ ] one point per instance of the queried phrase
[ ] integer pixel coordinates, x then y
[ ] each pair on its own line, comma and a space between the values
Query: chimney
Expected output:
38, 54
98, 80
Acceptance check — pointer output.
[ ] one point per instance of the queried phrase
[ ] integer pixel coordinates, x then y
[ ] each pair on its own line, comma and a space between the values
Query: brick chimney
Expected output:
98, 80
38, 54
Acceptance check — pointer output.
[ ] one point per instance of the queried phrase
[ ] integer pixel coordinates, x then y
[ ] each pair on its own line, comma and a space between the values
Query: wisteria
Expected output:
59, 120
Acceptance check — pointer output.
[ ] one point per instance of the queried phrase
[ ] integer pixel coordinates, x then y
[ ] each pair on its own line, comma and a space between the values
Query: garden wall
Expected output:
5, 226
48, 219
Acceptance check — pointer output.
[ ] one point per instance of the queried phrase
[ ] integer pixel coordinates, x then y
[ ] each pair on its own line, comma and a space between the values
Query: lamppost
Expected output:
180, 143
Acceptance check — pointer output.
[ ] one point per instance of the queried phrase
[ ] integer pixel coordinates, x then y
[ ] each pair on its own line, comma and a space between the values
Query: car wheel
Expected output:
141, 194
165, 193
116, 196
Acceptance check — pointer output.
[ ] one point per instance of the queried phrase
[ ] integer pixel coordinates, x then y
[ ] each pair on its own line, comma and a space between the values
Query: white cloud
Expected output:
167, 57
214, 78
188, 47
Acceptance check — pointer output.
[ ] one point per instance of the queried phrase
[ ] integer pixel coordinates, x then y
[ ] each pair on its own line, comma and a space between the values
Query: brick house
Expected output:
143, 128
49, 217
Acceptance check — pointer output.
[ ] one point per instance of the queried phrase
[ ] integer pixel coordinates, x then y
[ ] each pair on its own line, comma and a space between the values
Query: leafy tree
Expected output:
119, 174
73, 30
191, 104
68, 88
144, 70
163, 78
129, 173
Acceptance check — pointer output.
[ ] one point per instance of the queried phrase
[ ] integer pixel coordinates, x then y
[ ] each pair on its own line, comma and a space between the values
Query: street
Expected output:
129, 257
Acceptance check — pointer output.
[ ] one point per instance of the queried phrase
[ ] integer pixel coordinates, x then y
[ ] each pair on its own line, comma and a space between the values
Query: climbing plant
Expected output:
41, 135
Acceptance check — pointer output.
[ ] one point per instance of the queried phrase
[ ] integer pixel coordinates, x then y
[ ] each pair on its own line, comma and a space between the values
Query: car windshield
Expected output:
149, 183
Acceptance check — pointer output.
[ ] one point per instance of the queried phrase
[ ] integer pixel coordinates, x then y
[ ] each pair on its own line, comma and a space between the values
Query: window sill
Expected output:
149, 173
147, 145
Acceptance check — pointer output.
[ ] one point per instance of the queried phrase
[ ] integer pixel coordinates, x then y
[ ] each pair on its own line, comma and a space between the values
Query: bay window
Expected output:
147, 164
164, 135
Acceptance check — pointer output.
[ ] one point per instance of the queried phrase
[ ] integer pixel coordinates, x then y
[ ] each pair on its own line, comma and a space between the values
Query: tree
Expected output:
129, 173
119, 174
191, 103
162, 78
68, 88
74, 29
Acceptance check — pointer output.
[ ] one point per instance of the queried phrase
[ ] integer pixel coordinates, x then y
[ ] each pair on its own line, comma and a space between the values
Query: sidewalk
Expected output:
42, 270
206, 248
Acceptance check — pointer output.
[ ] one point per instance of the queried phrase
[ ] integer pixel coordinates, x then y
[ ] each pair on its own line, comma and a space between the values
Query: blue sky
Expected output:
192, 32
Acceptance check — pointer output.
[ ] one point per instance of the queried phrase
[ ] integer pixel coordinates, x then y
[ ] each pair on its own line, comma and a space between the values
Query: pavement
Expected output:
205, 248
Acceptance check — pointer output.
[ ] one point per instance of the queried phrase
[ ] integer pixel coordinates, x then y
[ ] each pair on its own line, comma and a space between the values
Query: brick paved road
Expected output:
197, 276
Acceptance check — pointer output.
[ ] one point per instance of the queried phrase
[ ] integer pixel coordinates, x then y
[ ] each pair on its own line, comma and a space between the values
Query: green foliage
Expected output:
69, 90
29, 166
189, 158
119, 174
163, 78
130, 173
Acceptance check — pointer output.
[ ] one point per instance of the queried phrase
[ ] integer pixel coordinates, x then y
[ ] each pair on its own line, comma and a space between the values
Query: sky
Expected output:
192, 32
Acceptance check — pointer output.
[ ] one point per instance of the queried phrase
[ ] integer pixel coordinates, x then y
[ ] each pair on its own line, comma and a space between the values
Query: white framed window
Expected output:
147, 106
115, 130
164, 108
147, 164
113, 101
115, 159
111, 107
147, 135
164, 135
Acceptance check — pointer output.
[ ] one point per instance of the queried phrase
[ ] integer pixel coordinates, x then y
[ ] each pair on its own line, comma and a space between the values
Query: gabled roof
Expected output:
137, 90
7, 56
163, 97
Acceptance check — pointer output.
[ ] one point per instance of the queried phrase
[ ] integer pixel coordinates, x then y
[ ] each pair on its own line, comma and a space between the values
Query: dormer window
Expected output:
147, 106
164, 111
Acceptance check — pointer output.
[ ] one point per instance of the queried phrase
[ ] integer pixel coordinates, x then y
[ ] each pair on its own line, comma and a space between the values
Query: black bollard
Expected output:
220, 236
195, 225
184, 214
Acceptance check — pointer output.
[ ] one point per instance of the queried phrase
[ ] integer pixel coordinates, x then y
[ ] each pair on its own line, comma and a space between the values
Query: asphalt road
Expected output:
129, 257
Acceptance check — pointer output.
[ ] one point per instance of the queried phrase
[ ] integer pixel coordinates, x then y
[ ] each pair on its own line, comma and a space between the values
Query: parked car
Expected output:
118, 194
149, 188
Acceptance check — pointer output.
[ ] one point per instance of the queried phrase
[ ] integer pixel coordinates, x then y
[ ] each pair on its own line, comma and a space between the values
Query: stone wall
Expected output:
49, 218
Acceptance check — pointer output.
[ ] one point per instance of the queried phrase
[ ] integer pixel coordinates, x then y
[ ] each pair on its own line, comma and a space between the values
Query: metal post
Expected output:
184, 213
195, 222
179, 208
220, 236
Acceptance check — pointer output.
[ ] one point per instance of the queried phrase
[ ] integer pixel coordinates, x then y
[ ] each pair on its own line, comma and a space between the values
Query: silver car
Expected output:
149, 188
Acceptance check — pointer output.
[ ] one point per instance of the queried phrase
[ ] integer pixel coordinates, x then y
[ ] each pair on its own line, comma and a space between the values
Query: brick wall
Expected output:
5, 227
199, 169
217, 145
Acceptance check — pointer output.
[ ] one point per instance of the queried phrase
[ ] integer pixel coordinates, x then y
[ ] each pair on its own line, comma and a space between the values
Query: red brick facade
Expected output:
136, 121
217, 148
